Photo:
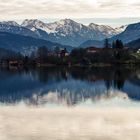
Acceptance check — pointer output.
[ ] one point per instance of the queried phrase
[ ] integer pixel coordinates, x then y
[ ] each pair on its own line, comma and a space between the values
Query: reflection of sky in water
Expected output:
65, 90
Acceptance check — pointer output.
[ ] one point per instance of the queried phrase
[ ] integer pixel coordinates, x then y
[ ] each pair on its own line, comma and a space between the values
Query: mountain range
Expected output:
131, 33
32, 33
67, 31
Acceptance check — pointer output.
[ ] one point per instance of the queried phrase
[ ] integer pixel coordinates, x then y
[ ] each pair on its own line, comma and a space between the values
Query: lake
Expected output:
65, 103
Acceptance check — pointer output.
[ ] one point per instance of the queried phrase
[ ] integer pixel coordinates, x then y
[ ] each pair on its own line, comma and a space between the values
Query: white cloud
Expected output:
19, 9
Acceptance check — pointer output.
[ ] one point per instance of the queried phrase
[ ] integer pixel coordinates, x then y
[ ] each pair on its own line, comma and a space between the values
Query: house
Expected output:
13, 63
7, 63
64, 53
93, 50
60, 53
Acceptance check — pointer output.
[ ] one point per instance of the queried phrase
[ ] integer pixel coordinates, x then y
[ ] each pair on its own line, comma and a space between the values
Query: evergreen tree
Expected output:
56, 50
113, 44
106, 43
119, 44
42, 53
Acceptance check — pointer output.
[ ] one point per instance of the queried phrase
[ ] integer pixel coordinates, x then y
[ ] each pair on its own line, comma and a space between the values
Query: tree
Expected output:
42, 53
33, 55
57, 50
119, 53
78, 53
106, 43
119, 44
26, 60
113, 44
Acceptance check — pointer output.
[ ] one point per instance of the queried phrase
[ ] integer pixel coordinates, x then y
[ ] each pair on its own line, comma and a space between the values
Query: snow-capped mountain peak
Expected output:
105, 29
34, 24
69, 32
66, 22
64, 27
93, 25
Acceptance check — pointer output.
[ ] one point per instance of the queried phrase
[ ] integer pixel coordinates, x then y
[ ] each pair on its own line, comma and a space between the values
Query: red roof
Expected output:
93, 49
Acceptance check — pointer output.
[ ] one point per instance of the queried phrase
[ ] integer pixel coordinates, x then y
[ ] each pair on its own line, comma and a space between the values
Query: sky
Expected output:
112, 12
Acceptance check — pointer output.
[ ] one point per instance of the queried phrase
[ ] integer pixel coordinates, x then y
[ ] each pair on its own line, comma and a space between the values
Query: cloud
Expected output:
19, 9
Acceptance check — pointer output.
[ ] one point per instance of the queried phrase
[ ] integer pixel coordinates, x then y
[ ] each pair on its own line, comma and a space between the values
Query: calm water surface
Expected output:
70, 86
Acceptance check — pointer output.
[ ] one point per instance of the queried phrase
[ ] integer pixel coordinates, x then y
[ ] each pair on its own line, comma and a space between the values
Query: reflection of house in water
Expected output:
15, 63
11, 63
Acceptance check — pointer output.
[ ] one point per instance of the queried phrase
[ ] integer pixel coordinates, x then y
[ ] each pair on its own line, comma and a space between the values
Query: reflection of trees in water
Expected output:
112, 77
46, 74
109, 74
119, 79
116, 79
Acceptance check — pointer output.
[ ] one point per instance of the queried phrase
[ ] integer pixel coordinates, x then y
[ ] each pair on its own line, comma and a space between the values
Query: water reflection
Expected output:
68, 86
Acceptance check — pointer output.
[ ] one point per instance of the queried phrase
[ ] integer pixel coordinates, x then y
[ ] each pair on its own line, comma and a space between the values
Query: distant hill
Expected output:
25, 44
89, 43
99, 44
131, 33
134, 44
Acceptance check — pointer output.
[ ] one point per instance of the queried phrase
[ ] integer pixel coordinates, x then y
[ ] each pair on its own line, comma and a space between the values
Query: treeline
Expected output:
116, 52
113, 53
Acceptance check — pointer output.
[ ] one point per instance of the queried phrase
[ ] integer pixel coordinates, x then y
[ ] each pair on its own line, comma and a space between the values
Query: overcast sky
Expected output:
49, 9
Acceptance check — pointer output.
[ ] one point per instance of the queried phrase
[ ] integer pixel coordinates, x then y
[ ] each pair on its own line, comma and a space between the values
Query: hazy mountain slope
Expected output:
132, 32
24, 44
134, 44
90, 43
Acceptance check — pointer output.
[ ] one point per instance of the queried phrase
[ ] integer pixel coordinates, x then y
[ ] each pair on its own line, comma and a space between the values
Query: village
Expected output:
89, 56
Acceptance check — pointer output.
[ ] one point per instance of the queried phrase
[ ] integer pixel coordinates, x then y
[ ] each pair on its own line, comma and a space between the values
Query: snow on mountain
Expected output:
34, 24
121, 28
69, 32
13, 27
67, 26
131, 33
105, 29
